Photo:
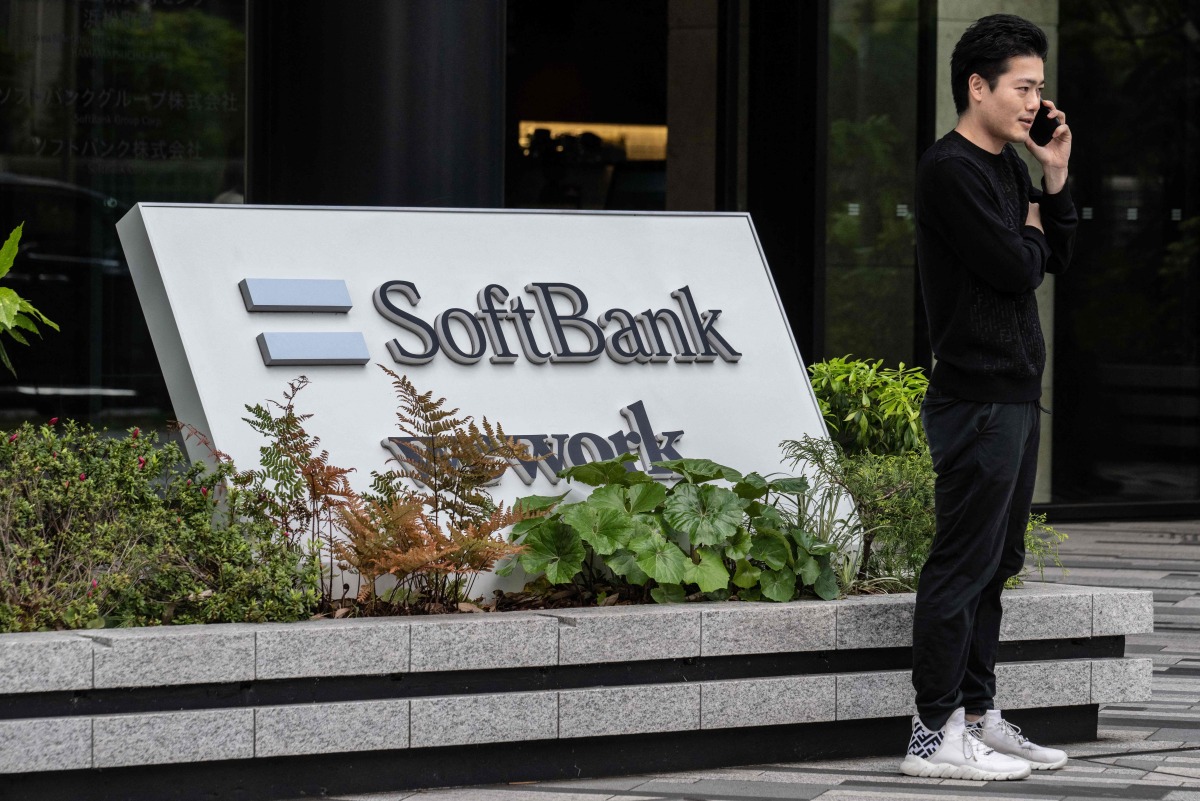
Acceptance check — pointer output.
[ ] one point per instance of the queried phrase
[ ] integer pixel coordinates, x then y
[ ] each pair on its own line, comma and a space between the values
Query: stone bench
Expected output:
282, 710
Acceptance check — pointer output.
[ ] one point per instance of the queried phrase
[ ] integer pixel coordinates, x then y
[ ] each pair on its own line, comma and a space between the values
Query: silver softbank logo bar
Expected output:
501, 325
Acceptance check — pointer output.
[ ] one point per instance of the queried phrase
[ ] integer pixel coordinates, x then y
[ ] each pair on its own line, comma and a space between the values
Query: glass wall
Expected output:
1127, 379
105, 103
869, 271
809, 115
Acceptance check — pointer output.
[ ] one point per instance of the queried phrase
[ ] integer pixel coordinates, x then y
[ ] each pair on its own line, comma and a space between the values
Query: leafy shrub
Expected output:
893, 502
869, 408
694, 538
16, 312
113, 530
879, 460
894, 519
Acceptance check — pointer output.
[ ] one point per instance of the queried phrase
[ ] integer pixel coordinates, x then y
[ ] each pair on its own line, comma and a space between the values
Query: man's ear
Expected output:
976, 85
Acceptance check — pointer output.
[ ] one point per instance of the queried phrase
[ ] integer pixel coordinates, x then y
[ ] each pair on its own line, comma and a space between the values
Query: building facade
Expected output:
808, 115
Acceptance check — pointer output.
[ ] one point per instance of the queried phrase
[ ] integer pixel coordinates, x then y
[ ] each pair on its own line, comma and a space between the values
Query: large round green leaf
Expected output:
537, 503
603, 529
525, 526
646, 525
624, 563
826, 586
778, 585
797, 485
808, 569
660, 559
647, 530
710, 573
739, 546
555, 549
767, 516
635, 499
746, 575
709, 515
751, 594
644, 497
669, 594
751, 487
771, 548
697, 471
610, 496
811, 542
609, 471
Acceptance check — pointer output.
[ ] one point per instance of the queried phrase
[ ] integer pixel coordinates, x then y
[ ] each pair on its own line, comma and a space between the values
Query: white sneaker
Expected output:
1000, 735
956, 752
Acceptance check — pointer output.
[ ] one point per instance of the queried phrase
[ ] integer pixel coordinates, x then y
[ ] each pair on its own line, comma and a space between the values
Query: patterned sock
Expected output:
924, 742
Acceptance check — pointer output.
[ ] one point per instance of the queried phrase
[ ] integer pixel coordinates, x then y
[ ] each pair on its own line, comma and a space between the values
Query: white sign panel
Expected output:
584, 334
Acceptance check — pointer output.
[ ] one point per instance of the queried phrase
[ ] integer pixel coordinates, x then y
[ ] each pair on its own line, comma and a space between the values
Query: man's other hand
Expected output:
1035, 217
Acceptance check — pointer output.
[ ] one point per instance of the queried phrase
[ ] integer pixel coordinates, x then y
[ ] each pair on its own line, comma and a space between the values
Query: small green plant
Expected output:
17, 315
879, 461
1041, 544
694, 539
869, 408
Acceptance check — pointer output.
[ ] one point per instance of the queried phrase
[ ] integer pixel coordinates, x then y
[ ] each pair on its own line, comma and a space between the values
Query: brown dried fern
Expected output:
479, 545
461, 458
395, 538
458, 460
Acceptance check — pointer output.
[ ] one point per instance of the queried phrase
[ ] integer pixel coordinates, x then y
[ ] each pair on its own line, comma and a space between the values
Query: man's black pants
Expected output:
985, 457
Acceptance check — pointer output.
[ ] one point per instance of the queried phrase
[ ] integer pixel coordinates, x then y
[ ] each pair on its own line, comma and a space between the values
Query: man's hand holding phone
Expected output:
1049, 141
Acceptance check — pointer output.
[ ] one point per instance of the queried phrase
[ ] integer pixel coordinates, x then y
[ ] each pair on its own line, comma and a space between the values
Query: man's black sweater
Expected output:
980, 265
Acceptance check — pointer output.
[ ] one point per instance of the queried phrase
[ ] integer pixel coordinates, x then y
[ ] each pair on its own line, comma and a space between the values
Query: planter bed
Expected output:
282, 710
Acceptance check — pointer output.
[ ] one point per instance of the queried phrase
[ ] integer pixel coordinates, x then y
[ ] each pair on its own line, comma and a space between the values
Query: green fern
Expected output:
301, 491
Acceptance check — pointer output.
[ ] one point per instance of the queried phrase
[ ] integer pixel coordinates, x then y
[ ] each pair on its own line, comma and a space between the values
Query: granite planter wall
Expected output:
282, 710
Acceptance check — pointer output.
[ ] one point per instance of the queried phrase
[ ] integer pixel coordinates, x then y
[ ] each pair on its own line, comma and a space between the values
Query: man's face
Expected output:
1007, 112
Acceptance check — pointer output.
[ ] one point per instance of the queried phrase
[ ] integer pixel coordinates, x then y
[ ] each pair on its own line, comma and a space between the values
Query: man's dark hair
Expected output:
986, 47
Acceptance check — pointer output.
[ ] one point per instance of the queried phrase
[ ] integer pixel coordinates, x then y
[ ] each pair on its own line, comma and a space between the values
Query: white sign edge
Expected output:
164, 329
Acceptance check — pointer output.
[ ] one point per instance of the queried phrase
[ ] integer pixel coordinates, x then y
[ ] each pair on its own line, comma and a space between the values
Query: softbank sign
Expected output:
586, 335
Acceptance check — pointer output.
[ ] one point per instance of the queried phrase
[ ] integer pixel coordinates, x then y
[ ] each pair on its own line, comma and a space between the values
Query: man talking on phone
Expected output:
986, 237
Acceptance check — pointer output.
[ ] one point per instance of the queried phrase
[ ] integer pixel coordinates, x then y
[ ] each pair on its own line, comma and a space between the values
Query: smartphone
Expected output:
1042, 130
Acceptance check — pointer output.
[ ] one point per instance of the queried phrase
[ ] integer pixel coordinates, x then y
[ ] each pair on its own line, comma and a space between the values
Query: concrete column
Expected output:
953, 18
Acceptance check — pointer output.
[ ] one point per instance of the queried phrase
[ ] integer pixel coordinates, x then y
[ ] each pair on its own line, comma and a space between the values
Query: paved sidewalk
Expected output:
1145, 751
